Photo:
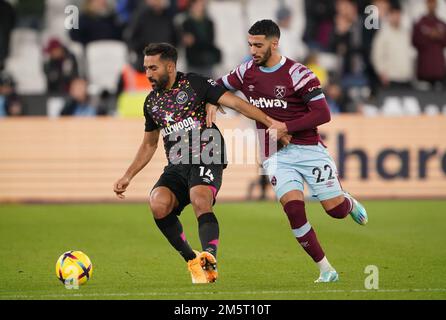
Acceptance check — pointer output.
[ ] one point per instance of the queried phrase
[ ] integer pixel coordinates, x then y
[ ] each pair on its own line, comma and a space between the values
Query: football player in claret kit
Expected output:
291, 93
176, 108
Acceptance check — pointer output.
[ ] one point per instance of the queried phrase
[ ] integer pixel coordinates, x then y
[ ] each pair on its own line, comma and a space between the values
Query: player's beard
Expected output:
266, 57
161, 83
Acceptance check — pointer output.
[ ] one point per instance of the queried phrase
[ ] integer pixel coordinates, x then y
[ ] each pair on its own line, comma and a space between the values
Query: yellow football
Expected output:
73, 268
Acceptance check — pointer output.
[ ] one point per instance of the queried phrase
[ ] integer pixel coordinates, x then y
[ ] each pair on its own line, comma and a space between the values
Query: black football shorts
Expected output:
180, 178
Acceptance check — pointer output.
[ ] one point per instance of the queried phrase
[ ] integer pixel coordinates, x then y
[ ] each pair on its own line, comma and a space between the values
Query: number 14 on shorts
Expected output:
207, 174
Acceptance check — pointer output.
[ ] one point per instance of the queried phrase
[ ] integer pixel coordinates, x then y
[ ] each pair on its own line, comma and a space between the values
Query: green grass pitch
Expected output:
258, 256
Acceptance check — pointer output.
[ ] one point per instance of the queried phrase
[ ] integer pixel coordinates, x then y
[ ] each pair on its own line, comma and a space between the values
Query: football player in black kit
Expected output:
176, 108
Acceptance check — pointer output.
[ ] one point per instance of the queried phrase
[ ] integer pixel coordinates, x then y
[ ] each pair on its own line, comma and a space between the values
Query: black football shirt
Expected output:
180, 115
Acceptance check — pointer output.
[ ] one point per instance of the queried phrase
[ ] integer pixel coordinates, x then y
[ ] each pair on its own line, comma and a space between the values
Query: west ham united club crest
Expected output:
273, 181
280, 91
182, 97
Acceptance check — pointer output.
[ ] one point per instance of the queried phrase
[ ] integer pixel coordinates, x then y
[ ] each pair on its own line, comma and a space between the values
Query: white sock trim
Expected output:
300, 232
351, 204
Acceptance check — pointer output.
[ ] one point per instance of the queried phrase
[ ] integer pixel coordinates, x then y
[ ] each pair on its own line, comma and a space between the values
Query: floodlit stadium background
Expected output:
389, 146
57, 172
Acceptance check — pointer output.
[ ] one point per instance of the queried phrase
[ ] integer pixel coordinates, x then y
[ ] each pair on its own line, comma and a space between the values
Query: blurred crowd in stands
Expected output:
354, 62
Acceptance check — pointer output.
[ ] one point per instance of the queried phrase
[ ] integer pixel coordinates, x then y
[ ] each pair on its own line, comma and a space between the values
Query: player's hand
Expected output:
211, 113
285, 140
277, 129
120, 186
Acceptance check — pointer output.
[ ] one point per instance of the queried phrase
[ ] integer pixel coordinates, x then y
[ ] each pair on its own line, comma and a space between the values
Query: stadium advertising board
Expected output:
78, 159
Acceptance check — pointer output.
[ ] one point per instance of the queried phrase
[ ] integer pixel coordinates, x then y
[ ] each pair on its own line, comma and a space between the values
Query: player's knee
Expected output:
295, 211
338, 209
159, 209
201, 204
160, 205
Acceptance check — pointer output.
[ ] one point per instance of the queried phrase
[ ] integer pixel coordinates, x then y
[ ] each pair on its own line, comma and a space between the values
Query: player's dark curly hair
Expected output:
268, 28
167, 51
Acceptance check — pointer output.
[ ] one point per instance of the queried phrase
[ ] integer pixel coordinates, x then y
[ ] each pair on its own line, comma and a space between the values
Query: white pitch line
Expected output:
154, 294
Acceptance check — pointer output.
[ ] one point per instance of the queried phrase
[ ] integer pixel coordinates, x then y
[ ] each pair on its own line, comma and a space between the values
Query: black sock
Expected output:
172, 229
209, 232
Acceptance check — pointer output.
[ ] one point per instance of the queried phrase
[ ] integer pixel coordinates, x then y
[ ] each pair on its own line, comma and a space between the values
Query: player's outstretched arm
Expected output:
319, 114
142, 158
211, 113
248, 110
